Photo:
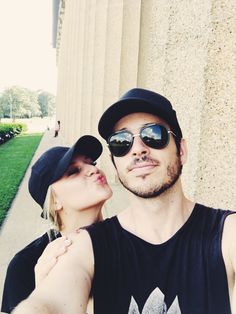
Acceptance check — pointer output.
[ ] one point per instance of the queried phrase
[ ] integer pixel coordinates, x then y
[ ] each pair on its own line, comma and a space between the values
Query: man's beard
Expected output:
173, 173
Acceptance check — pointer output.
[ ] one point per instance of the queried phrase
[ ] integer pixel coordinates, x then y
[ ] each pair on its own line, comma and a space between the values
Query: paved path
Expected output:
23, 223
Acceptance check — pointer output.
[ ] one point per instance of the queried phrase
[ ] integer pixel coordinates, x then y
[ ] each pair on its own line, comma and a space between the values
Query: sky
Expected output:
27, 58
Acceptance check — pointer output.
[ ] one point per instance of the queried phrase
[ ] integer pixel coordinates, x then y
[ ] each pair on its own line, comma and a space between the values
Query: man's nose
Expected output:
138, 147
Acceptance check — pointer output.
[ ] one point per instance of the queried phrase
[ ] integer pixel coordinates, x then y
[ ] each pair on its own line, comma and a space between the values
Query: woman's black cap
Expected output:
51, 166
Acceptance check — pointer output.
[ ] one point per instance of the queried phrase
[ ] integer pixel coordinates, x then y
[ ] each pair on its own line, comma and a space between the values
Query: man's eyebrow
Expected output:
149, 123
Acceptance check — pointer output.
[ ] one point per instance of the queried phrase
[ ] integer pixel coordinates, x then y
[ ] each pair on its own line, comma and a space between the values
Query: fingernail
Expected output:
68, 242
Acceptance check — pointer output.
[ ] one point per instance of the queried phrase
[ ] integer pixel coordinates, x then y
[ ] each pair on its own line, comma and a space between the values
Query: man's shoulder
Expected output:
103, 225
230, 223
79, 252
225, 218
211, 220
229, 245
103, 233
213, 211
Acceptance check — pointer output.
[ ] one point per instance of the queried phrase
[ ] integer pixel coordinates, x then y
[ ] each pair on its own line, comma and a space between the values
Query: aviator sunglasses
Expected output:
153, 135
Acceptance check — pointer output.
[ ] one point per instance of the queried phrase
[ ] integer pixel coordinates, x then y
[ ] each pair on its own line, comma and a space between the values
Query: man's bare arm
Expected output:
67, 287
229, 255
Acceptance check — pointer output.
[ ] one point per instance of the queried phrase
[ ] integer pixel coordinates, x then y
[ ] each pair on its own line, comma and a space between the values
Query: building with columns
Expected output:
185, 50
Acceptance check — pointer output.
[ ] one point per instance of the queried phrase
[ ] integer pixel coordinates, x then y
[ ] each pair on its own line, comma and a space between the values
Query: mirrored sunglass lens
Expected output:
155, 136
120, 143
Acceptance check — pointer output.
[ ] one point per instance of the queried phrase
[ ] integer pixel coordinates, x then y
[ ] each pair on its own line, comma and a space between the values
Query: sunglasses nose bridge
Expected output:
138, 146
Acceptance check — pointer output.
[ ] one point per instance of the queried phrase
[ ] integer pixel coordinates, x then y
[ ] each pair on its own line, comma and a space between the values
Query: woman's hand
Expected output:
48, 259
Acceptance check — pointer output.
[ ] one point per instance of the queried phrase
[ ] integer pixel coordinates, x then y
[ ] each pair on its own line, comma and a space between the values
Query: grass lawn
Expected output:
15, 156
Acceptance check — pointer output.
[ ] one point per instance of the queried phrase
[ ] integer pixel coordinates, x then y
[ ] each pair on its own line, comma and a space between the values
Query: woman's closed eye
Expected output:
74, 170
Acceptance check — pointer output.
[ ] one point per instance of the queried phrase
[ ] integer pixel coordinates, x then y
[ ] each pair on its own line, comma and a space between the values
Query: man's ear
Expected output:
183, 151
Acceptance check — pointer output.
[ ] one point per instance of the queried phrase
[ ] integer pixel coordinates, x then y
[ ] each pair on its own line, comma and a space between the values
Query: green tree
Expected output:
31, 106
11, 101
19, 102
47, 103
3, 107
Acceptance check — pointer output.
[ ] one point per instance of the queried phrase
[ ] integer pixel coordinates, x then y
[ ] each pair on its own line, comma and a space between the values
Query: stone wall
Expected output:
184, 50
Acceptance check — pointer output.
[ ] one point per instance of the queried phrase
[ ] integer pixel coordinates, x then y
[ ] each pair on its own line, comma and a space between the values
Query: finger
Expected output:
53, 247
42, 272
43, 267
67, 242
60, 251
55, 251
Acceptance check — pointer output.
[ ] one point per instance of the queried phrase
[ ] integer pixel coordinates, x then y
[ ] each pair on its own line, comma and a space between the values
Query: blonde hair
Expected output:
49, 209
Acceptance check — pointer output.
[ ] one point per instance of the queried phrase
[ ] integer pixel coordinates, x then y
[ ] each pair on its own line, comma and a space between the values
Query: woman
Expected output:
71, 190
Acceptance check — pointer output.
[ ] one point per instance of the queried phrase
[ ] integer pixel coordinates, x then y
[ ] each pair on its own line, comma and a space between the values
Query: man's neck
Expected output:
156, 220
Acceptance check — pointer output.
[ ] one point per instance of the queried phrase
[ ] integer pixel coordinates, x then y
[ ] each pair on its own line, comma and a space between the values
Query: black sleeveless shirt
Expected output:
186, 274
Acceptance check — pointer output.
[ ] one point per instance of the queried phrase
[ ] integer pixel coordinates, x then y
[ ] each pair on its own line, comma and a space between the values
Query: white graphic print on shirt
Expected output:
155, 305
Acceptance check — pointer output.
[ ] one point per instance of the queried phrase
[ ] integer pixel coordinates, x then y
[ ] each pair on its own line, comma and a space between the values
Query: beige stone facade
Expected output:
184, 50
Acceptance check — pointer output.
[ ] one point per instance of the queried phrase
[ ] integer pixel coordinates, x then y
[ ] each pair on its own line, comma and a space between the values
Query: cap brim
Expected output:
87, 145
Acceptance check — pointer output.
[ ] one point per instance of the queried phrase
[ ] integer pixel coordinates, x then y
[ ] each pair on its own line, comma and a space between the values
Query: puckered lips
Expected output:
101, 179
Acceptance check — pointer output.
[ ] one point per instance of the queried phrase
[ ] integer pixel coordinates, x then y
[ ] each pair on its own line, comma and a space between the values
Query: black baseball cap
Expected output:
51, 166
138, 100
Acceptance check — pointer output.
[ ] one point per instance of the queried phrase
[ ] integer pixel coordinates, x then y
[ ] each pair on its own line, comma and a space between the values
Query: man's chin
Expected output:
147, 193
151, 191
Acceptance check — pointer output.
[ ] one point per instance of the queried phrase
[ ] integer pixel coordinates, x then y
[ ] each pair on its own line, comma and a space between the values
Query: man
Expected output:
162, 254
